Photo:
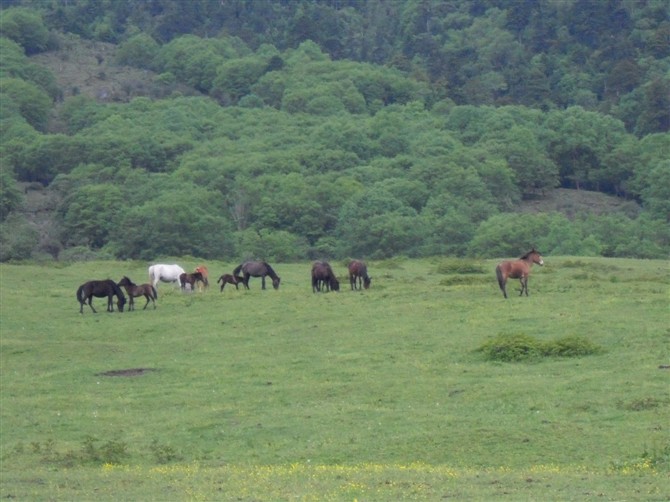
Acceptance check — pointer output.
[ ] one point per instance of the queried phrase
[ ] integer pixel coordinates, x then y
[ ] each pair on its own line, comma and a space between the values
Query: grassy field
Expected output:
376, 395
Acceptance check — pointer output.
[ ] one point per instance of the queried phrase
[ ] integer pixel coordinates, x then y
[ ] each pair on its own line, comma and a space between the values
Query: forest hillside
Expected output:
293, 130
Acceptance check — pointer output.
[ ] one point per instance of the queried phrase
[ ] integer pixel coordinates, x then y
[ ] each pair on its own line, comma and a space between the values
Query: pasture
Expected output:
379, 394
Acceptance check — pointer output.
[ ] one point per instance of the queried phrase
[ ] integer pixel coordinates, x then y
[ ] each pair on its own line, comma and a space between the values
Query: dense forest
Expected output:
295, 129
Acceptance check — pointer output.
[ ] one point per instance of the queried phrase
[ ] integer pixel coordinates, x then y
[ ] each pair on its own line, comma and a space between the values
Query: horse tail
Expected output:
501, 279
237, 269
80, 293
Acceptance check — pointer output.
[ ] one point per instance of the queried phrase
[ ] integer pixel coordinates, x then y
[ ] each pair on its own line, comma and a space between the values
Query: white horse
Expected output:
164, 273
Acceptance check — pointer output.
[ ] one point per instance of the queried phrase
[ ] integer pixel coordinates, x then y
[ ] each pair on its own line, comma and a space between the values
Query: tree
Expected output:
25, 27
32, 102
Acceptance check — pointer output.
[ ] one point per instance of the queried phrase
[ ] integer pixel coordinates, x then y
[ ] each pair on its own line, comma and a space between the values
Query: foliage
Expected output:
508, 347
352, 128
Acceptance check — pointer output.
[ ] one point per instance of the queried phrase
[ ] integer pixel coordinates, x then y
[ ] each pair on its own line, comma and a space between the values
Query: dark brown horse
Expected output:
190, 279
230, 279
518, 269
323, 277
257, 269
100, 289
358, 274
150, 293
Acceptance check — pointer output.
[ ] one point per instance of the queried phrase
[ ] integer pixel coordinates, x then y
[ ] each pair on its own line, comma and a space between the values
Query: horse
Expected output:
230, 279
323, 277
190, 279
150, 293
164, 273
517, 269
205, 275
107, 288
257, 269
358, 273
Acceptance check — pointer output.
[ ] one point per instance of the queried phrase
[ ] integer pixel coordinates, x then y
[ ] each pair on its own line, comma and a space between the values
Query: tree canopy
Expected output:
335, 128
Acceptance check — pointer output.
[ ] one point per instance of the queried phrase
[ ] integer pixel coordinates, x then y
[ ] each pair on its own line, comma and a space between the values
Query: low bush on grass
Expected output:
456, 266
508, 347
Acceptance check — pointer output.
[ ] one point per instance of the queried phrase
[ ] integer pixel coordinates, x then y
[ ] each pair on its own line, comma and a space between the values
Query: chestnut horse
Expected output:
205, 275
323, 277
230, 279
518, 269
150, 293
358, 271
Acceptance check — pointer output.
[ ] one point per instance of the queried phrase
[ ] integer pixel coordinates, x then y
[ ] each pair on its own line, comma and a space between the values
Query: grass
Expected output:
375, 395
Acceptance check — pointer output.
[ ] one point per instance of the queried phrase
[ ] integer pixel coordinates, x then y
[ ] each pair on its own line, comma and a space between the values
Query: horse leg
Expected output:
262, 282
523, 282
90, 304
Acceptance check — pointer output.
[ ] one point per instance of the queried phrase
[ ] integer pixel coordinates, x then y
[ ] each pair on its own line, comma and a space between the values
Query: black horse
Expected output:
257, 269
107, 288
323, 277
358, 273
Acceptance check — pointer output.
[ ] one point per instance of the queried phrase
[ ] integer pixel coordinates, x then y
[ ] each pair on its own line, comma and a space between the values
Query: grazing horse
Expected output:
358, 271
190, 279
230, 279
107, 288
150, 293
257, 269
164, 273
205, 275
323, 277
517, 269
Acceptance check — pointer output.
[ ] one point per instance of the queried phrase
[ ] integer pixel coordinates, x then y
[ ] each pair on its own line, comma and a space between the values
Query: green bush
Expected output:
508, 347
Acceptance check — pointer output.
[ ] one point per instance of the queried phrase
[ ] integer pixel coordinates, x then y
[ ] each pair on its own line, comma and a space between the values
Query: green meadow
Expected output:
428, 386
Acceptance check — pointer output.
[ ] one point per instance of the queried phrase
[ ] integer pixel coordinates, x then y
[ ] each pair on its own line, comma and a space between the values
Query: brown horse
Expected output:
358, 274
323, 277
518, 269
230, 279
100, 289
257, 269
191, 279
150, 293
205, 275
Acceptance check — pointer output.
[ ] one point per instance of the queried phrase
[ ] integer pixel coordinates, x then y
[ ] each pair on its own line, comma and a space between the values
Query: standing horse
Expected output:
164, 273
205, 275
230, 279
358, 271
257, 269
323, 277
150, 293
190, 279
518, 269
107, 288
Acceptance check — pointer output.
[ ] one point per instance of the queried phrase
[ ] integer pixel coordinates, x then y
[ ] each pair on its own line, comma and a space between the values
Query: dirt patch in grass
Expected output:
131, 372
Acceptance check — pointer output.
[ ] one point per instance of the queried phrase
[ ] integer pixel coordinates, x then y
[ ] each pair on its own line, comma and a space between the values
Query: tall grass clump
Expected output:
515, 347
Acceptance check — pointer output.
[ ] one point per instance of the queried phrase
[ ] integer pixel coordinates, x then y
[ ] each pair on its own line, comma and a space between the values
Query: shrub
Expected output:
521, 347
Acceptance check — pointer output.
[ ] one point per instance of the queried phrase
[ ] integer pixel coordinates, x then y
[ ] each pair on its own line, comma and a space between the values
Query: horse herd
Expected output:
323, 279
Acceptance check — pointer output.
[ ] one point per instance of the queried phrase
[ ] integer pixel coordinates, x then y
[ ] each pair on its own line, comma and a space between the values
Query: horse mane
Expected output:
525, 257
271, 271
118, 291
